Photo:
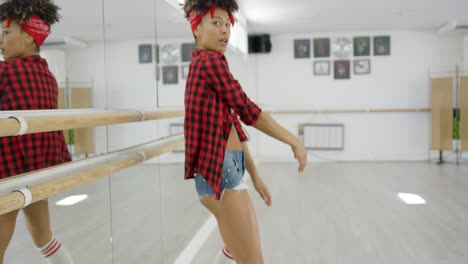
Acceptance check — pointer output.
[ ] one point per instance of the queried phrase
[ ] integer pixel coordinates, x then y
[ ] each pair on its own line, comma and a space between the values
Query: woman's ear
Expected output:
28, 40
197, 31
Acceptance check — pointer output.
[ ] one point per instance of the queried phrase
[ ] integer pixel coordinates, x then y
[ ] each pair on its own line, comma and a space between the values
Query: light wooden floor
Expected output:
333, 213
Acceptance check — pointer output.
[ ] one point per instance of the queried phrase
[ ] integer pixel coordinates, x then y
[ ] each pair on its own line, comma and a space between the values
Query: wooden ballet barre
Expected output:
16, 200
348, 111
120, 160
20, 125
35, 124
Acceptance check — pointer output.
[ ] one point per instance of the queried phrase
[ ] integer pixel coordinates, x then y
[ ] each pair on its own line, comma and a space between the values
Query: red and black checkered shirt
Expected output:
213, 100
27, 84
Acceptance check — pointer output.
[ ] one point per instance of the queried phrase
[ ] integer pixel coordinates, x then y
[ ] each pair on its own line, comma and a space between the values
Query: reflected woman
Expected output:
215, 148
27, 84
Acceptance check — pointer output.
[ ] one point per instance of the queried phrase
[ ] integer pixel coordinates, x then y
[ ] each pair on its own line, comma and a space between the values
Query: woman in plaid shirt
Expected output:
27, 84
215, 144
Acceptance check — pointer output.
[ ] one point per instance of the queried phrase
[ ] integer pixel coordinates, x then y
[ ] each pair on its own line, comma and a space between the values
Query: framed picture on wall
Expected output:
185, 70
170, 54
342, 47
145, 53
321, 47
187, 49
321, 68
361, 46
341, 69
382, 45
170, 74
301, 48
361, 66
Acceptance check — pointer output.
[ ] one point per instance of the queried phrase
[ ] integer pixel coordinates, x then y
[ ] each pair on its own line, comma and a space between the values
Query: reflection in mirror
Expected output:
126, 55
175, 43
78, 35
131, 62
75, 52
130, 67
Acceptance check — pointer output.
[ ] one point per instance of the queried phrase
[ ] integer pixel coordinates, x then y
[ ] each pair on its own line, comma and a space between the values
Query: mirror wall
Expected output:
120, 55
76, 57
130, 41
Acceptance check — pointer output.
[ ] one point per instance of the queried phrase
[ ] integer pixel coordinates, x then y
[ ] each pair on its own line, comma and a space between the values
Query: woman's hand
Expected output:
262, 189
300, 154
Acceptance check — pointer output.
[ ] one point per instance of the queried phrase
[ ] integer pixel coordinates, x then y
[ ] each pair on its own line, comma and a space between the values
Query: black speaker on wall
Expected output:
259, 43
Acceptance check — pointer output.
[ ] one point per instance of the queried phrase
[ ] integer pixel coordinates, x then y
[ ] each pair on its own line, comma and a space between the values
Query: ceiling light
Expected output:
450, 26
74, 42
410, 198
71, 200
177, 4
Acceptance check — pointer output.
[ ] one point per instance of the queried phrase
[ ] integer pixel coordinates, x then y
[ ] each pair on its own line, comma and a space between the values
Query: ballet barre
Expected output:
26, 122
21, 190
348, 111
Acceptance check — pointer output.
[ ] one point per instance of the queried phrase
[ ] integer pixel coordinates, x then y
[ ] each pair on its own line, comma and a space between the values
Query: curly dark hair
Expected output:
204, 5
22, 10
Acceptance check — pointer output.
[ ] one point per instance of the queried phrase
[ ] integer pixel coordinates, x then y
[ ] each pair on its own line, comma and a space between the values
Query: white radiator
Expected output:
322, 136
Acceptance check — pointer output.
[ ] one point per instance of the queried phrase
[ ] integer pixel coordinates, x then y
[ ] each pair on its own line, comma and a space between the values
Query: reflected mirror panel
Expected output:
78, 36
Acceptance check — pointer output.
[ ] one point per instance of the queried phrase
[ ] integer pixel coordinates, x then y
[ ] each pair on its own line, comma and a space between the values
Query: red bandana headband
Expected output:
195, 19
35, 27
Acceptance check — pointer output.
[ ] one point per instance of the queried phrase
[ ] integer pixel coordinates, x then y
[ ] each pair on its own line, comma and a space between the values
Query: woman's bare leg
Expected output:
238, 225
7, 228
38, 221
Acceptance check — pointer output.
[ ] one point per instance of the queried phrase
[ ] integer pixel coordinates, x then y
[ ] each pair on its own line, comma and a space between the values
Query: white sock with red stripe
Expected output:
55, 253
224, 257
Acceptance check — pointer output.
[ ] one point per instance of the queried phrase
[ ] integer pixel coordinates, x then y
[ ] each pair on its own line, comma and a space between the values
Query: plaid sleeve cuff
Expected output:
253, 114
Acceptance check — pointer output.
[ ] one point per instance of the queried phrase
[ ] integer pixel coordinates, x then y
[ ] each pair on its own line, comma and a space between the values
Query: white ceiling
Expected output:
296, 16
124, 19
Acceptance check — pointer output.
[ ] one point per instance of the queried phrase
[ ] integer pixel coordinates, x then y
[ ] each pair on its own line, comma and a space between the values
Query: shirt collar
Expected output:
33, 58
203, 52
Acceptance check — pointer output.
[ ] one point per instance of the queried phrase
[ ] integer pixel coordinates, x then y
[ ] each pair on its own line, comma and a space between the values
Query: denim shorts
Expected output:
232, 178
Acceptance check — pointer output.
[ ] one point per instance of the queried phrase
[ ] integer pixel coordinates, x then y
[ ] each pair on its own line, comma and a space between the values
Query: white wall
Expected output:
57, 64
399, 80
465, 57
396, 81
278, 80
86, 65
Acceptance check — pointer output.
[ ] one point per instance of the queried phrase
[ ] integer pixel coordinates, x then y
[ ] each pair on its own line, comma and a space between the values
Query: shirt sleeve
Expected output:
219, 77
